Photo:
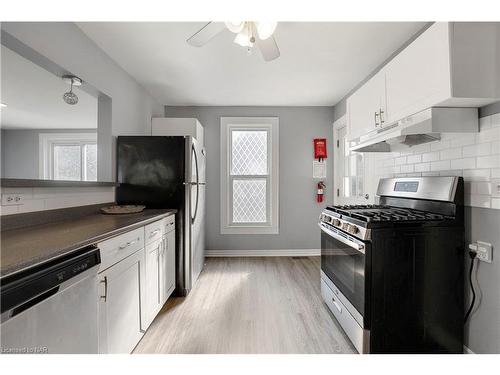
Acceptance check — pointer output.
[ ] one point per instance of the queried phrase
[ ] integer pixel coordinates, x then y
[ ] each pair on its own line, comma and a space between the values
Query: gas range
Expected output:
392, 273
358, 220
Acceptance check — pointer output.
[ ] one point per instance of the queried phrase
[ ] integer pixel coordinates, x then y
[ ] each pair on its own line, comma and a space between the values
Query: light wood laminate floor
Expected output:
249, 305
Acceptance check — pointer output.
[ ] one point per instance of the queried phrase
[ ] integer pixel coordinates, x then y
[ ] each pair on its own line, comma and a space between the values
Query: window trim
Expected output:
271, 124
46, 145
338, 181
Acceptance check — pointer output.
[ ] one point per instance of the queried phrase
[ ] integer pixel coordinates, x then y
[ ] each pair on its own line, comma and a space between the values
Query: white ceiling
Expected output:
319, 63
34, 98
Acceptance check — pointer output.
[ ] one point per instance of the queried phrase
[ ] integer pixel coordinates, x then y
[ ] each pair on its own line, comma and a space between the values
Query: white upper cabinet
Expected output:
366, 107
448, 65
419, 77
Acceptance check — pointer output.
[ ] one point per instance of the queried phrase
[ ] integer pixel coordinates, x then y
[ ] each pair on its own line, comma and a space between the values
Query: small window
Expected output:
68, 156
353, 172
349, 170
249, 175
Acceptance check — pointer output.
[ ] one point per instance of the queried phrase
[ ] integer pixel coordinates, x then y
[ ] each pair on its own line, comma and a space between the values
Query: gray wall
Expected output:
20, 151
482, 333
298, 209
66, 45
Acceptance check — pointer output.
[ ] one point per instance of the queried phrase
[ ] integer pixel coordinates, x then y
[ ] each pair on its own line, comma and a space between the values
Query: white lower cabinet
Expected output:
120, 305
153, 300
160, 272
136, 277
168, 264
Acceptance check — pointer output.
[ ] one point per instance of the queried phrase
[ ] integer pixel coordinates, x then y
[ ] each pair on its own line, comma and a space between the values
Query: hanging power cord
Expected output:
472, 255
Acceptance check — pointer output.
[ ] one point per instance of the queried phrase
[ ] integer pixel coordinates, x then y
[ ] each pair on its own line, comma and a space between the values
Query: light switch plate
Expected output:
484, 251
495, 187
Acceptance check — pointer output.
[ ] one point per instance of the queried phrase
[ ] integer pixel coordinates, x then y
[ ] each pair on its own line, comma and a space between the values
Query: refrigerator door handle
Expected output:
196, 183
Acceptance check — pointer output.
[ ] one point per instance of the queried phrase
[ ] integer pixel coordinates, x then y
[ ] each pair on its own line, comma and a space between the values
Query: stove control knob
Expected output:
353, 229
345, 226
336, 222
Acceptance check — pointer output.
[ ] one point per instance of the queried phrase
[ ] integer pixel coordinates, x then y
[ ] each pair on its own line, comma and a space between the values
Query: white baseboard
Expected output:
263, 253
467, 350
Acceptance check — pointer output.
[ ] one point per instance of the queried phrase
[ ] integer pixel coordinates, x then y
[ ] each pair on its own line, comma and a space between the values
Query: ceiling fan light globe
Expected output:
244, 39
235, 27
265, 29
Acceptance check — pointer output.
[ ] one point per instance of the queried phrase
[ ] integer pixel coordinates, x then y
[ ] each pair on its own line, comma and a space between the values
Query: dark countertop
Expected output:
26, 247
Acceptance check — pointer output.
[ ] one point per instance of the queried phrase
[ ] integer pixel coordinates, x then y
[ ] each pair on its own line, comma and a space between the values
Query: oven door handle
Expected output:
338, 237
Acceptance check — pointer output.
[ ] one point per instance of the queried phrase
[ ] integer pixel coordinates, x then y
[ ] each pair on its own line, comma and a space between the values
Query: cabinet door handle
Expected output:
381, 117
154, 233
105, 282
376, 118
121, 247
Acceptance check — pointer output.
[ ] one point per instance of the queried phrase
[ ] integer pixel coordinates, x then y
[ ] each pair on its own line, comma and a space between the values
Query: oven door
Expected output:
343, 261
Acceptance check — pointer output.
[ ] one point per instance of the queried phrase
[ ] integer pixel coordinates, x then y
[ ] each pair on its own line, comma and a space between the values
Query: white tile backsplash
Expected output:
423, 167
475, 156
477, 149
451, 153
491, 161
443, 165
430, 156
412, 159
495, 203
465, 163
400, 160
47, 198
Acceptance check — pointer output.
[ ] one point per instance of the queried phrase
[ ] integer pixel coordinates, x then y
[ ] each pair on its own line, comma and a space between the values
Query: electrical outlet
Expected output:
484, 251
12, 200
495, 187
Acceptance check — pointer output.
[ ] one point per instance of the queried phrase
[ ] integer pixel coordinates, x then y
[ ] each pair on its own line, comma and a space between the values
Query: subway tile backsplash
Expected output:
50, 198
476, 157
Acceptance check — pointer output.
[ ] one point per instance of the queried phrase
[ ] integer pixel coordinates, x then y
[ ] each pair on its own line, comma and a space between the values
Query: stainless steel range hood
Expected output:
422, 127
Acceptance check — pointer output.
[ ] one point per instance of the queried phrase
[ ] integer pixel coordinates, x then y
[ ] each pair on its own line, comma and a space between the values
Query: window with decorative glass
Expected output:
249, 179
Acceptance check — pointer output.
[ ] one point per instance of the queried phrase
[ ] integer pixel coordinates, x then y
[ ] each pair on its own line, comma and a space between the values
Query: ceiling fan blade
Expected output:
206, 33
268, 48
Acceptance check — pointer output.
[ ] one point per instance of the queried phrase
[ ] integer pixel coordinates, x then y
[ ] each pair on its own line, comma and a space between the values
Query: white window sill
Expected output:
249, 230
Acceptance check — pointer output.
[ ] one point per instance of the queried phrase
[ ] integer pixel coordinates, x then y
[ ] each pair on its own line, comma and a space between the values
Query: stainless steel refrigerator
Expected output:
168, 172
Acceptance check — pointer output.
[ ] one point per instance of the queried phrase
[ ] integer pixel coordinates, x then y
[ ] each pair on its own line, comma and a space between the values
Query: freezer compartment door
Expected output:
150, 171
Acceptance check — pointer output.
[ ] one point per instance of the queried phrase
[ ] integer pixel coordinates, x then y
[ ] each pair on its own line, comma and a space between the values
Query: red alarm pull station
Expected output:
320, 148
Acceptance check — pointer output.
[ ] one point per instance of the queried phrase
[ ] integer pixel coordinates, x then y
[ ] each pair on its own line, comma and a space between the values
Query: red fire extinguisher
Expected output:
321, 192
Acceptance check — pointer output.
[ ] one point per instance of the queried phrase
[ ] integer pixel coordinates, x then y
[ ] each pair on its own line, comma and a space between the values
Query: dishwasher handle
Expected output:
34, 301
29, 287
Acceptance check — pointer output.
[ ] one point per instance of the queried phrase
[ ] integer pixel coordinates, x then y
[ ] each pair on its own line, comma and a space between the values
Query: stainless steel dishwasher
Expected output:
52, 308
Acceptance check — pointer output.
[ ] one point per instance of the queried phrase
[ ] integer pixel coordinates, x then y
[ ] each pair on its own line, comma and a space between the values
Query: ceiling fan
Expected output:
248, 34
